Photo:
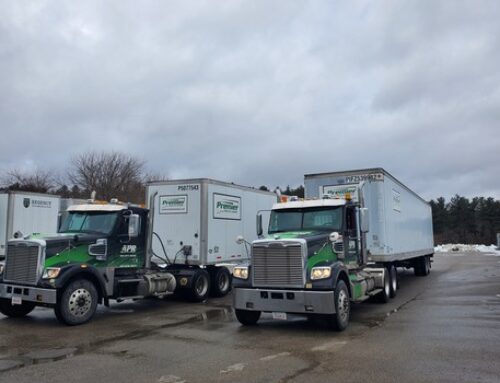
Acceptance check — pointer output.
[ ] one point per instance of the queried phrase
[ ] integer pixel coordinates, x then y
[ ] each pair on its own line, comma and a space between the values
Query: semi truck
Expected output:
119, 251
340, 245
26, 212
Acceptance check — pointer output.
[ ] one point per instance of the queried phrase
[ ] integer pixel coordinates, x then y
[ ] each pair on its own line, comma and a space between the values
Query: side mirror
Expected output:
240, 240
134, 225
334, 237
364, 217
99, 249
259, 225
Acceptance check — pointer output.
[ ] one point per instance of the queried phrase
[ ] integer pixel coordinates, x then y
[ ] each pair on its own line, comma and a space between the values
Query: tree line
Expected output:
468, 221
110, 174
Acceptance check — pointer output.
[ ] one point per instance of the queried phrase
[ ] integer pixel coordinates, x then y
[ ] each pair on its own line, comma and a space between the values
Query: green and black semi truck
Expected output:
114, 251
340, 245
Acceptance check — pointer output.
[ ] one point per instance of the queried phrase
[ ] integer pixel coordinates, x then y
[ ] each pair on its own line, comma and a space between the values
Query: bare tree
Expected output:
41, 181
110, 174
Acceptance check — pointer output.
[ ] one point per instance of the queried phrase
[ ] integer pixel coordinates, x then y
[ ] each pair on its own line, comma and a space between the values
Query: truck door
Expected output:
352, 236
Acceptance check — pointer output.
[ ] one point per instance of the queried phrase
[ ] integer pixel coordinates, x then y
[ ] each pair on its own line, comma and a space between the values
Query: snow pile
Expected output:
461, 248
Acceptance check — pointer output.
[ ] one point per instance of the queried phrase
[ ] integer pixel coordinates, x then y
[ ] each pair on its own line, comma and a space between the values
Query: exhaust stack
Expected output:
149, 238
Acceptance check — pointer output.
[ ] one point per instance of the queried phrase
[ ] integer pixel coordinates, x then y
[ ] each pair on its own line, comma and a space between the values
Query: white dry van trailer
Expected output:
342, 244
206, 215
400, 220
27, 213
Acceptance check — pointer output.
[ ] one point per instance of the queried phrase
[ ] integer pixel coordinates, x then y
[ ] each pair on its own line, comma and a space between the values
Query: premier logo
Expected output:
173, 202
228, 206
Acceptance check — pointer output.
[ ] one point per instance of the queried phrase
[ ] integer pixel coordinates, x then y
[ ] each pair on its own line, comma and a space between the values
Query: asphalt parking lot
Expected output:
440, 328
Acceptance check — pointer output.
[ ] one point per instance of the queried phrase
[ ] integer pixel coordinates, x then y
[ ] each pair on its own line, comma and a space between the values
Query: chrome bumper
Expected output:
288, 301
28, 293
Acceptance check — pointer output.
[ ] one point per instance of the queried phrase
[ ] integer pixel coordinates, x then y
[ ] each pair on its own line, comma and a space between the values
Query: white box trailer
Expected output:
400, 220
27, 213
206, 216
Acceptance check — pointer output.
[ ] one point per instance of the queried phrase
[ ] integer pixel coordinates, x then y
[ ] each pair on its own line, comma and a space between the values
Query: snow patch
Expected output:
461, 248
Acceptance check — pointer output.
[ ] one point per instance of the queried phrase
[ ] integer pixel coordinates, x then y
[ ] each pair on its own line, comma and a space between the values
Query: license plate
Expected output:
279, 316
16, 301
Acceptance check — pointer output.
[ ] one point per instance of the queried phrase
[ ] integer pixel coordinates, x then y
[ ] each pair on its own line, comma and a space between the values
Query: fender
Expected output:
337, 270
71, 271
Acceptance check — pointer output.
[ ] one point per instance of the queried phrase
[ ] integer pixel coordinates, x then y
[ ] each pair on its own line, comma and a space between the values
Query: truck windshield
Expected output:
89, 222
317, 219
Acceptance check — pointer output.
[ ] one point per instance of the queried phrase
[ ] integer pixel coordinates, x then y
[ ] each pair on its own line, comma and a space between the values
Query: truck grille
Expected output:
21, 263
278, 264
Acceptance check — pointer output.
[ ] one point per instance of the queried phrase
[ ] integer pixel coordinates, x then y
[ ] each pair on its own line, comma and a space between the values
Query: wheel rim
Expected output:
201, 286
394, 278
427, 265
343, 305
80, 302
387, 286
223, 282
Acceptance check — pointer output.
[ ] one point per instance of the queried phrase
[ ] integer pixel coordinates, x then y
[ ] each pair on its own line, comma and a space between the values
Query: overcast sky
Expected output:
258, 92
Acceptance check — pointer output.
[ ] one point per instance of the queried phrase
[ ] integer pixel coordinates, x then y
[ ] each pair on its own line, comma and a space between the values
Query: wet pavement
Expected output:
440, 328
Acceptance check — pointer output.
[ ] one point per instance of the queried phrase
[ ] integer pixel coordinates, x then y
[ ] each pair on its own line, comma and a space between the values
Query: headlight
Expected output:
51, 272
240, 272
321, 272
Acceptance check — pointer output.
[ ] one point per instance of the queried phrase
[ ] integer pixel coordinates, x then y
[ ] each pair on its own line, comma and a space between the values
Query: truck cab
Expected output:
312, 261
99, 253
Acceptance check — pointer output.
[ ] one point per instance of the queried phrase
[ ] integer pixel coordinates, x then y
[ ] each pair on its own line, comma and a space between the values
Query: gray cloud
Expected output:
258, 92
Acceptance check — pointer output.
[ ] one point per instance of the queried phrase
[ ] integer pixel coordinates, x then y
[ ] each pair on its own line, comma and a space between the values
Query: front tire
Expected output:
340, 319
247, 317
15, 311
77, 303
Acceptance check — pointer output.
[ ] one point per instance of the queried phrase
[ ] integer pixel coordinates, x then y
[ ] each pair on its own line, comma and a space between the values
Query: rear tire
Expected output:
221, 282
385, 294
77, 303
340, 319
15, 311
247, 317
200, 286
393, 279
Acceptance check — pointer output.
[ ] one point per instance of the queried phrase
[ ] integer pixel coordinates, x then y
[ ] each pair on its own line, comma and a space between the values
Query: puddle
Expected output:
52, 355
8, 364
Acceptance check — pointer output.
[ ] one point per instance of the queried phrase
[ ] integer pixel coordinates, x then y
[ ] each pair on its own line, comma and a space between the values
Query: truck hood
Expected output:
57, 243
66, 248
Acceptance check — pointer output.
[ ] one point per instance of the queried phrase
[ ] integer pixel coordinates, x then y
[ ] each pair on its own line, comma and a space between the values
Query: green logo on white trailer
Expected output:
227, 207
340, 191
170, 204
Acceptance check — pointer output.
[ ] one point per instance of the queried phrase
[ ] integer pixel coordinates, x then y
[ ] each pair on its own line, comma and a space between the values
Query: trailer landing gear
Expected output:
422, 266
